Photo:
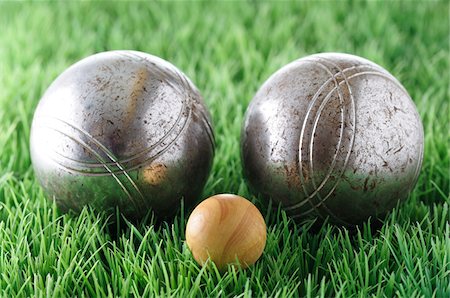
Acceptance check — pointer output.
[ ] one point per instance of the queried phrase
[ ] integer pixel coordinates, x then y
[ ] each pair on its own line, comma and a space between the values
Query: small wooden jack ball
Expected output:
226, 228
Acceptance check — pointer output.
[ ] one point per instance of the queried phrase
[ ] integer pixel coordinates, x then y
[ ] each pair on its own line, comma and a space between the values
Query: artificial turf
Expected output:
228, 50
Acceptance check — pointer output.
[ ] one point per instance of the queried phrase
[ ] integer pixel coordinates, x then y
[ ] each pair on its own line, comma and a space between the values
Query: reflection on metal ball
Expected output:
122, 129
332, 136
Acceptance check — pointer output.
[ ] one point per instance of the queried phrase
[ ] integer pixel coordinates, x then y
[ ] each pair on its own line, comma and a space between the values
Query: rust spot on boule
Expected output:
137, 90
155, 174
305, 173
292, 178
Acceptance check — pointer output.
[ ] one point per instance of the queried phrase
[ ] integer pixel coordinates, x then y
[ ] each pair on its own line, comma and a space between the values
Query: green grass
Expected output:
228, 50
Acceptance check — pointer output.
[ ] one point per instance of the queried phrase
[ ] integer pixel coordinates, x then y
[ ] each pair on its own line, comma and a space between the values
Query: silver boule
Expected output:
332, 136
122, 129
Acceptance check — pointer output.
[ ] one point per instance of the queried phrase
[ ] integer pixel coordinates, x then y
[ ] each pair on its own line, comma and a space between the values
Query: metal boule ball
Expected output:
122, 129
332, 136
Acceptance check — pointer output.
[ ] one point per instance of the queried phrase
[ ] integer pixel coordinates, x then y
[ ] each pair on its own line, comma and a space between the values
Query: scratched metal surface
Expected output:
332, 135
122, 128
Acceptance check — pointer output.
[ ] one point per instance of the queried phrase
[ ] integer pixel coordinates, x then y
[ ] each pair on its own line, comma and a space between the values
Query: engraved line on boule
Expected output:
311, 144
299, 205
166, 136
137, 155
310, 106
325, 180
305, 122
153, 157
105, 150
302, 133
295, 206
315, 122
420, 159
99, 158
309, 109
351, 77
108, 153
314, 128
353, 114
349, 151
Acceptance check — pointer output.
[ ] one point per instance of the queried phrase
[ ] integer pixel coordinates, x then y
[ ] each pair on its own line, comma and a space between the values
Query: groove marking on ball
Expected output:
313, 101
99, 158
305, 122
378, 73
108, 153
88, 171
364, 73
323, 183
316, 120
310, 108
139, 154
347, 158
